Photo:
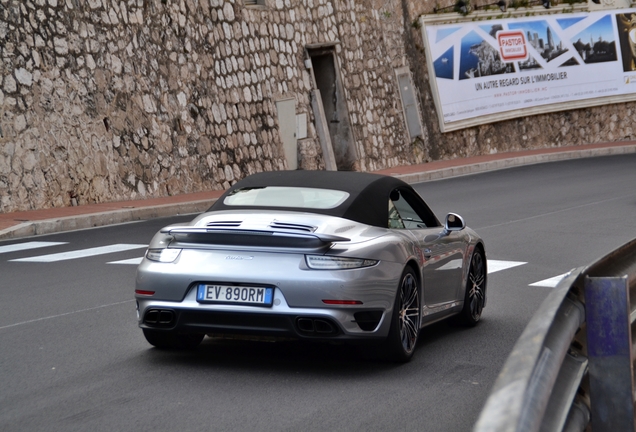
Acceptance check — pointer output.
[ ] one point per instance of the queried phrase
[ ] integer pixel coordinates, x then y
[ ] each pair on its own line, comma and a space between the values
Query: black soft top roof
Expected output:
368, 193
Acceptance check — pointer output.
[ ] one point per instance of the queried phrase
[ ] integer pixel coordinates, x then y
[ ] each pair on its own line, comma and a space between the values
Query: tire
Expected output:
475, 295
172, 340
405, 321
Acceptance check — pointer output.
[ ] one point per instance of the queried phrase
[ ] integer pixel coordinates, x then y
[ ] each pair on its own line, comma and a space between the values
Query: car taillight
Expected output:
163, 255
342, 302
144, 292
325, 262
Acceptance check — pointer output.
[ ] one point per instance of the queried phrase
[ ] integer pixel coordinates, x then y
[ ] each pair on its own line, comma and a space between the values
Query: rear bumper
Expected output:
253, 324
279, 321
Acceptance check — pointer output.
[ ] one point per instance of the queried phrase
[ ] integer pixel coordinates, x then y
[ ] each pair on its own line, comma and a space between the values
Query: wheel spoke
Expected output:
409, 312
409, 332
411, 299
476, 279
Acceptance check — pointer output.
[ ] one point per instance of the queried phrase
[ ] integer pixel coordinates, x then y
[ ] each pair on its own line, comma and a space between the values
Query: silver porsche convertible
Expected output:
313, 255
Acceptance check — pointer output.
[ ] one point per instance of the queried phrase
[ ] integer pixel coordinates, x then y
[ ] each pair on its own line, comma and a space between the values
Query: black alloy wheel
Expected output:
405, 322
475, 297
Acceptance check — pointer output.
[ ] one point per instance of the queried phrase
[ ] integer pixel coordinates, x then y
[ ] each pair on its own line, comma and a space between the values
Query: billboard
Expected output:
486, 71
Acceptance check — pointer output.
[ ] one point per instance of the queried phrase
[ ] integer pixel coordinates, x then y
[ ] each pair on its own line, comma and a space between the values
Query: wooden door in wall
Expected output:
327, 79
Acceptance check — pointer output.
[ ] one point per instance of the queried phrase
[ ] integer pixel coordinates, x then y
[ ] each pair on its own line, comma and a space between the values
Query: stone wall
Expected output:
106, 100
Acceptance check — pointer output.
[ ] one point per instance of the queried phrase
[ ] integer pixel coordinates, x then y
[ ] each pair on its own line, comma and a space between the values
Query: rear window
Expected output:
285, 196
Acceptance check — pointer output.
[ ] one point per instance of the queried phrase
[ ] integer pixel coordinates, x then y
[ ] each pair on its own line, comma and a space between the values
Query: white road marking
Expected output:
28, 245
493, 265
550, 283
133, 261
497, 265
65, 314
82, 253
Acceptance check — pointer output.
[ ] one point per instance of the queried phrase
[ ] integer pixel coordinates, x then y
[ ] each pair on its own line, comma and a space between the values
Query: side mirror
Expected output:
454, 222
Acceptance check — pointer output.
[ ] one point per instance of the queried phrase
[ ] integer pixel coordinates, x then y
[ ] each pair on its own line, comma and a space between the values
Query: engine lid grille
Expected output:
224, 224
292, 226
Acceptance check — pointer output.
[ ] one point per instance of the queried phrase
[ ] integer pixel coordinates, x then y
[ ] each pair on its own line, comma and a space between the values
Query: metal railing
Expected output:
572, 367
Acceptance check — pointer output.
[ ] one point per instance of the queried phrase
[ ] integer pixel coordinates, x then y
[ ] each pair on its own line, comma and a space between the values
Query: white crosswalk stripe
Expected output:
29, 245
132, 261
82, 253
551, 282
493, 265
497, 265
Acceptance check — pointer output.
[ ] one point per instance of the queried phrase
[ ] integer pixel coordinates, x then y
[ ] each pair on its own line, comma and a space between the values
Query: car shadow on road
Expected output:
301, 356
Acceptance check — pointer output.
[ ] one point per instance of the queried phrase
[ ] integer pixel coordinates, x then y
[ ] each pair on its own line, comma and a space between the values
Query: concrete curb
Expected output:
92, 220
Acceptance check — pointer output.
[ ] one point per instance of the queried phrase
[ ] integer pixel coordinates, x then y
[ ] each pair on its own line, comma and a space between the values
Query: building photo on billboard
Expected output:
498, 69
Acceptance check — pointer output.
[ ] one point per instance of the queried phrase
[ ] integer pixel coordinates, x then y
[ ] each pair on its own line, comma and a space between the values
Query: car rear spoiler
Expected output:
244, 237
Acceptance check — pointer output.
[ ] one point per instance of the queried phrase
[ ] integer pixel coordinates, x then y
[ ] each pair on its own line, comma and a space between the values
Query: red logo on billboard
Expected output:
512, 45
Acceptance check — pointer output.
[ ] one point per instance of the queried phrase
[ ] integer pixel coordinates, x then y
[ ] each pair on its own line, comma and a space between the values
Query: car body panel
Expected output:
443, 267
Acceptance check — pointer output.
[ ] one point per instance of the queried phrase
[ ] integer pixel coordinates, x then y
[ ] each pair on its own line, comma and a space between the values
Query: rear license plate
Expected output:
235, 294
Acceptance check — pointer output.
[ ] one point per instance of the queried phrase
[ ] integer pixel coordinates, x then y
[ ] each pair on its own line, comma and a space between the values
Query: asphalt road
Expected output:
72, 358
